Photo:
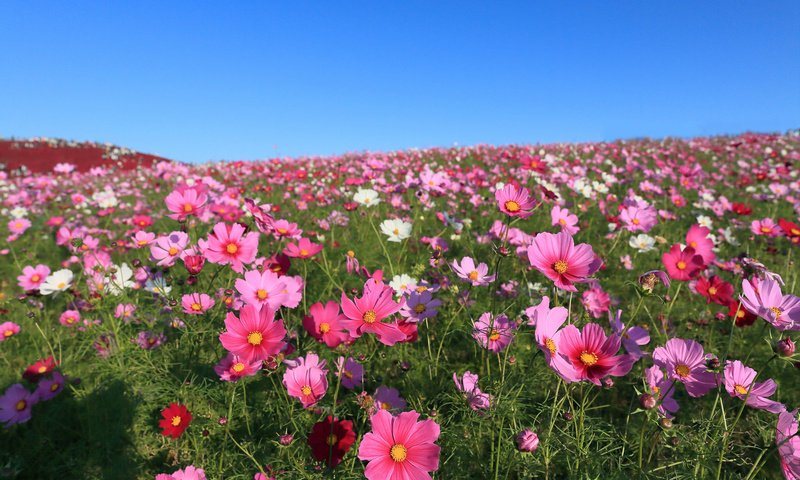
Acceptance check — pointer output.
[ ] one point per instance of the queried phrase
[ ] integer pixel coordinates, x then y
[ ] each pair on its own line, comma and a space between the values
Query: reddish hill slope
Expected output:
41, 155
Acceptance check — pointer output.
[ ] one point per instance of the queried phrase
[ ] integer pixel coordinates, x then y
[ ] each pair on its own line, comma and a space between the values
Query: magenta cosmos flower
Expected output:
262, 288
682, 265
183, 202
256, 335
303, 249
33, 277
228, 244
365, 314
697, 238
189, 473
765, 299
468, 384
685, 362
8, 330
196, 303
232, 368
515, 202
306, 379
548, 322
493, 333
16, 405
400, 448
740, 382
560, 260
476, 275
592, 354
325, 324
788, 442
567, 221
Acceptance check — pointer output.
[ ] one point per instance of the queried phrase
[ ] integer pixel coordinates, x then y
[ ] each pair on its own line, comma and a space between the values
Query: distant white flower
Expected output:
642, 242
727, 234
158, 285
366, 197
705, 221
403, 283
18, 212
56, 282
105, 198
117, 282
396, 230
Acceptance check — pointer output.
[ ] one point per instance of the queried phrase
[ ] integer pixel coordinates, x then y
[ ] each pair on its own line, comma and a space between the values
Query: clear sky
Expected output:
199, 81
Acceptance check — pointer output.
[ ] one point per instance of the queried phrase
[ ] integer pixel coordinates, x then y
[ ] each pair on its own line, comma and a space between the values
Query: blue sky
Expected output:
198, 81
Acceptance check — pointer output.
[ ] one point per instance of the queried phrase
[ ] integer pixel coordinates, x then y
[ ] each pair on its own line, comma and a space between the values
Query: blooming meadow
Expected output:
603, 310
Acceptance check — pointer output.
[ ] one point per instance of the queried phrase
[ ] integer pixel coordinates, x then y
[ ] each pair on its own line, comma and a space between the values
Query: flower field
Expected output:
598, 310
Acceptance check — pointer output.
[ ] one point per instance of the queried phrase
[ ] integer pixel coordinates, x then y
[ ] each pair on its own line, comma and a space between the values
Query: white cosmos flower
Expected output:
158, 285
56, 282
117, 282
396, 230
366, 197
403, 283
704, 221
642, 242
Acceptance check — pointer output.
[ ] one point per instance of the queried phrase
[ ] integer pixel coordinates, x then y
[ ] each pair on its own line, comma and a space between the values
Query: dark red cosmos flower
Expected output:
39, 368
791, 230
176, 419
330, 439
278, 263
741, 209
715, 290
742, 316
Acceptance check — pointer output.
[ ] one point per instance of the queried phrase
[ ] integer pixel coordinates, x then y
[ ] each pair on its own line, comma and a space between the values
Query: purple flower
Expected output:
15, 405
149, 340
468, 384
685, 362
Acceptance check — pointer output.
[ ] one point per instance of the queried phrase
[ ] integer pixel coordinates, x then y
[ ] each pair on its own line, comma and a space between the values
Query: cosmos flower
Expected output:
255, 335
330, 440
685, 362
262, 288
183, 202
560, 260
324, 323
229, 245
468, 384
366, 197
400, 448
592, 354
397, 230
33, 277
8, 330
739, 382
16, 405
476, 275
56, 282
176, 418
763, 297
232, 368
493, 333
682, 265
306, 379
567, 221
366, 314
515, 202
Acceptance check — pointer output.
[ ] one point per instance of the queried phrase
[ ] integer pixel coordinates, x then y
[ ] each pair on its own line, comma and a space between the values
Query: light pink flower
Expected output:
306, 379
196, 303
262, 288
567, 221
400, 448
229, 245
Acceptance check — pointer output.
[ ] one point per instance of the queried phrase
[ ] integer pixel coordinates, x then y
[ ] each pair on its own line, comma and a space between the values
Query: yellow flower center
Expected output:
238, 367
777, 311
712, 291
560, 266
42, 369
473, 275
61, 285
261, 294
495, 336
35, 278
332, 439
197, 307
551, 345
305, 390
282, 231
348, 374
396, 231
20, 406
303, 252
419, 308
187, 208
740, 389
512, 206
176, 420
681, 265
682, 370
398, 452
588, 358
351, 253
173, 251
232, 248
369, 316
693, 244
142, 243
324, 327
635, 221
54, 387
254, 338
765, 229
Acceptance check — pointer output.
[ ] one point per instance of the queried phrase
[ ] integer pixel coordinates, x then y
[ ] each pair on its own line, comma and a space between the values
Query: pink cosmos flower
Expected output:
662, 390
19, 225
596, 301
493, 333
69, 318
639, 218
763, 297
468, 384
232, 368
325, 324
475, 275
188, 473
633, 338
8, 330
33, 277
567, 221
228, 244
306, 379
740, 382
592, 354
255, 335
303, 249
142, 239
697, 238
548, 322
515, 202
765, 226
262, 288
282, 228
365, 314
186, 201
124, 310
166, 250
682, 265
560, 260
196, 303
685, 362
788, 442
400, 448
16, 405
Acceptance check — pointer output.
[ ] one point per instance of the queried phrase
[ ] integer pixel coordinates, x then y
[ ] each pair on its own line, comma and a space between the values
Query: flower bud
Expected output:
647, 401
527, 441
785, 347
